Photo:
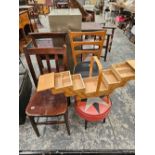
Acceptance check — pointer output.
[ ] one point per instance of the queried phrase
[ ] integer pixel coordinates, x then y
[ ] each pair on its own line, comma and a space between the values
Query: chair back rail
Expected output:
97, 43
48, 54
44, 49
45, 35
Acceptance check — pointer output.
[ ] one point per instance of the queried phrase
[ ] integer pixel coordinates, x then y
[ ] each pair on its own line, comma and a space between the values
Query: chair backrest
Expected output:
44, 57
88, 46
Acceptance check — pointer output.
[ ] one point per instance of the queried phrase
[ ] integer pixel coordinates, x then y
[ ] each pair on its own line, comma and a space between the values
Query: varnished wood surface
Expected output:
46, 104
103, 84
46, 82
43, 103
131, 63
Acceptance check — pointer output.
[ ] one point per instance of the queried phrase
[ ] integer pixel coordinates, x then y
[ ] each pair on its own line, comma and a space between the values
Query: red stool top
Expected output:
93, 109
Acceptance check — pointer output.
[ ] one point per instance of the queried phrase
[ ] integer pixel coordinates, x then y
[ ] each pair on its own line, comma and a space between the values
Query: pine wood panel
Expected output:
46, 82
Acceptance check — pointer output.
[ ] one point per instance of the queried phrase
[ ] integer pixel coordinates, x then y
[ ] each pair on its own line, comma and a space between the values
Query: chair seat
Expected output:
83, 69
92, 113
46, 104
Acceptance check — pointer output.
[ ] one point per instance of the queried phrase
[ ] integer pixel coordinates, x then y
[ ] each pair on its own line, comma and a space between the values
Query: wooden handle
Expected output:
100, 68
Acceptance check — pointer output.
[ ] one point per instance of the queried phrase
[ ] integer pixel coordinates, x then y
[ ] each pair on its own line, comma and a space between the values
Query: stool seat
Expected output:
95, 111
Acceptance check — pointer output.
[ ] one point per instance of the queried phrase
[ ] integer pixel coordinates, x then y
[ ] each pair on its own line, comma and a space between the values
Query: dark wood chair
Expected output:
49, 39
45, 104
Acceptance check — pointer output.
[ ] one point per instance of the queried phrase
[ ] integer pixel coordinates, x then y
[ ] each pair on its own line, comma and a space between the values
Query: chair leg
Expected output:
86, 122
68, 101
67, 122
104, 120
34, 125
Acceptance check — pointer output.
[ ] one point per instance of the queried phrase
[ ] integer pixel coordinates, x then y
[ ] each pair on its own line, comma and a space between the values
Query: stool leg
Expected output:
104, 120
34, 125
86, 122
66, 122
68, 101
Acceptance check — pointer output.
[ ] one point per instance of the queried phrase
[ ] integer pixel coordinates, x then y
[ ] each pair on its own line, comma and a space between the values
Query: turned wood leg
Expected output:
86, 122
34, 125
67, 122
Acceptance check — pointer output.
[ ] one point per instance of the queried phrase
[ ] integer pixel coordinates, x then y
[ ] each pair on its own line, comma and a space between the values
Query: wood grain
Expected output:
131, 63
45, 82
103, 84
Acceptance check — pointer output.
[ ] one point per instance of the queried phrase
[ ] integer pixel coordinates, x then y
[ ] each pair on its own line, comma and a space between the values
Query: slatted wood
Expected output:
41, 53
48, 63
56, 62
97, 42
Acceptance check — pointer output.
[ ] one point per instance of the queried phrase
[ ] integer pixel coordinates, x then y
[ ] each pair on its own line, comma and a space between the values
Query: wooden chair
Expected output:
45, 104
82, 49
49, 39
87, 16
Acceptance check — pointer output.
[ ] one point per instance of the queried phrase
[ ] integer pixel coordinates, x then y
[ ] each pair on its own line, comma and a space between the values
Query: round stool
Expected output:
94, 109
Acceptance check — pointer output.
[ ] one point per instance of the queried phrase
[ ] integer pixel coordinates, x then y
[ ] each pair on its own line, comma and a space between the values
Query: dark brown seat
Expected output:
45, 104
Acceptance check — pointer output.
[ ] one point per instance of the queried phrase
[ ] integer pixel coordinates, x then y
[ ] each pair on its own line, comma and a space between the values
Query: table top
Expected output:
25, 7
93, 26
60, 12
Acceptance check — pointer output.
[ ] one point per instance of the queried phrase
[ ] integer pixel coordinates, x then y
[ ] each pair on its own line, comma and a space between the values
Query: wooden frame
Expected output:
97, 42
